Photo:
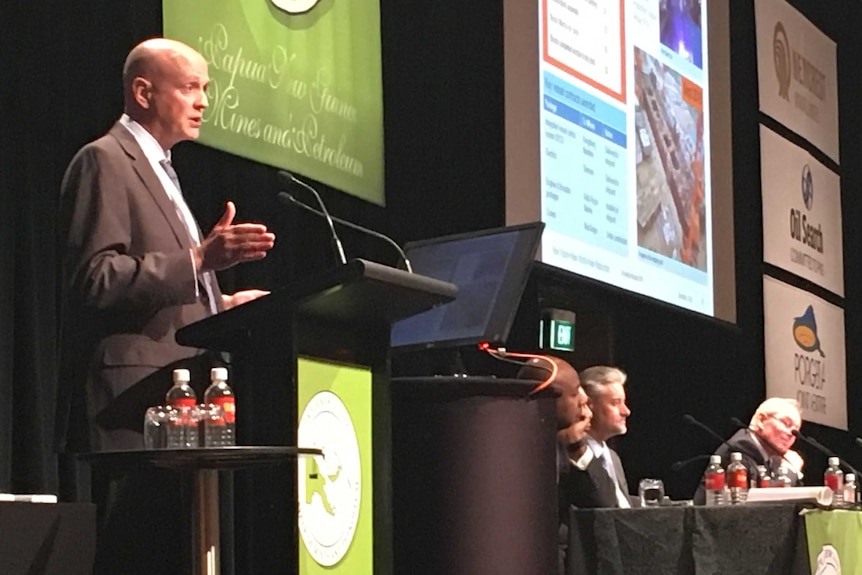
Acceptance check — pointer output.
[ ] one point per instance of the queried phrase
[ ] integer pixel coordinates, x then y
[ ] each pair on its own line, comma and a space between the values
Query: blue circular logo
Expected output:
807, 187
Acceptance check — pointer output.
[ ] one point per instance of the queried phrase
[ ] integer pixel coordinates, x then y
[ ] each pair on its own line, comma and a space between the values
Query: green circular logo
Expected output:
329, 486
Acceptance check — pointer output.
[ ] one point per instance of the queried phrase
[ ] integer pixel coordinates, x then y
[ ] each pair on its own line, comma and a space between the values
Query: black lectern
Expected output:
341, 316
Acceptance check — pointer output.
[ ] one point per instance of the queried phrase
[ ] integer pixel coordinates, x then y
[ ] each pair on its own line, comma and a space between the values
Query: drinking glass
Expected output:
156, 427
651, 492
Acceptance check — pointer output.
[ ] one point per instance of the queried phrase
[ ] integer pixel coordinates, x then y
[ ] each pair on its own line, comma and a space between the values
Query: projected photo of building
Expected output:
669, 151
679, 21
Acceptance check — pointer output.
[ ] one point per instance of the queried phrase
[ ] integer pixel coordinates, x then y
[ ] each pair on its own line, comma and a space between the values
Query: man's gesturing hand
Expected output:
229, 244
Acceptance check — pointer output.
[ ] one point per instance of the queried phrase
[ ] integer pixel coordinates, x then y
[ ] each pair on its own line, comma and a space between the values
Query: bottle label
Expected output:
738, 478
765, 481
228, 404
182, 402
832, 481
714, 481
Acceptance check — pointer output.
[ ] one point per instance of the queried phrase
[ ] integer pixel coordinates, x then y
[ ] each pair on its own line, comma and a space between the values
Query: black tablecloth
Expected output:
751, 539
47, 538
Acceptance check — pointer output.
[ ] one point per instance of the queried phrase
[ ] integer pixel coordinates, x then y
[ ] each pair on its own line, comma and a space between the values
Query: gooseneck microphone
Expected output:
825, 450
287, 199
677, 465
691, 420
288, 180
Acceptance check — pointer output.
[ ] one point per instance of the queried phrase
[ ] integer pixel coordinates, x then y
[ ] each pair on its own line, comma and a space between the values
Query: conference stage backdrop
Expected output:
295, 84
797, 73
805, 355
801, 213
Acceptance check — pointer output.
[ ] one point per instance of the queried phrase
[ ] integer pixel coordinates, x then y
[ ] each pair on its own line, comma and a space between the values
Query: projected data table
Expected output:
591, 191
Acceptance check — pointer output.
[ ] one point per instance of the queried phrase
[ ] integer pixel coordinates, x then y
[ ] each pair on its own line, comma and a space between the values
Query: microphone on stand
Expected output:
288, 199
288, 179
825, 450
738, 423
690, 419
677, 465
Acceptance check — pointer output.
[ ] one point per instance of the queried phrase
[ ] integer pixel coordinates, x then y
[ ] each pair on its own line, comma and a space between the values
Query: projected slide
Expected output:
625, 145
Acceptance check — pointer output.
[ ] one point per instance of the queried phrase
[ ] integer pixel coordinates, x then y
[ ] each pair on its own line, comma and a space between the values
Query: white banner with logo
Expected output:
804, 348
801, 213
798, 74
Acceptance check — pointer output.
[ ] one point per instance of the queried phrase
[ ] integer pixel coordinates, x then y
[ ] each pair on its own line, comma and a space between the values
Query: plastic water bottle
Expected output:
763, 477
782, 477
737, 479
850, 498
181, 394
182, 430
833, 478
714, 482
220, 432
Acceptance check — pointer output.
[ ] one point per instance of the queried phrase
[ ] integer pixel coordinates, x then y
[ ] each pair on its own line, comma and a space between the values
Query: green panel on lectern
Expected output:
335, 491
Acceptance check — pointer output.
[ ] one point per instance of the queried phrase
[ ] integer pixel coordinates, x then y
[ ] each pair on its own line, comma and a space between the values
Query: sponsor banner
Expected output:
295, 84
335, 491
804, 349
797, 74
801, 213
833, 541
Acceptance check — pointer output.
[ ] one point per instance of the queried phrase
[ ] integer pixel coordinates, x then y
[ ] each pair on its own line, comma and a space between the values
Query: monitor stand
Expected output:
458, 367
459, 362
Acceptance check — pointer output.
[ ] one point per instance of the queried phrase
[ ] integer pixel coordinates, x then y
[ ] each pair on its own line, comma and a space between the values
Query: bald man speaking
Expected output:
136, 268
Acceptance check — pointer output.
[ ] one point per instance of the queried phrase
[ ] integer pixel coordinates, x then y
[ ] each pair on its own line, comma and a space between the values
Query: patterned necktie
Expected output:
205, 277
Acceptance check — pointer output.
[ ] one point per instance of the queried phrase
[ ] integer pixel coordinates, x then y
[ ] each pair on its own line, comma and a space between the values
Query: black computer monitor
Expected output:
490, 268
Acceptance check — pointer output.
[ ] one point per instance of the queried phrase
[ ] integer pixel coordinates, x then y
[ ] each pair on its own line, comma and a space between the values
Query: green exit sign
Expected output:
557, 334
562, 335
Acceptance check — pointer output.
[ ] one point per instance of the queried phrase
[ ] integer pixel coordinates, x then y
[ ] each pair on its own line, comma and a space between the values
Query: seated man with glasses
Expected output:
766, 441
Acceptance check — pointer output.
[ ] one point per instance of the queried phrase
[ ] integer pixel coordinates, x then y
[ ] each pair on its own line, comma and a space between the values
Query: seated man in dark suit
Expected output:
766, 441
605, 387
573, 422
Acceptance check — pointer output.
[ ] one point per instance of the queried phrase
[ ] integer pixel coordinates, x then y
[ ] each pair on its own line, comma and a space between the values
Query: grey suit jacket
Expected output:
620, 473
128, 285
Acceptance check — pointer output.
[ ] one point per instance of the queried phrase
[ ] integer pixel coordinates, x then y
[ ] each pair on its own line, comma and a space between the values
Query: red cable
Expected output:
498, 353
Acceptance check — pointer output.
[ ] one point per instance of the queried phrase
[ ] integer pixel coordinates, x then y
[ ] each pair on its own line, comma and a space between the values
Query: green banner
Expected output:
335, 492
294, 84
834, 541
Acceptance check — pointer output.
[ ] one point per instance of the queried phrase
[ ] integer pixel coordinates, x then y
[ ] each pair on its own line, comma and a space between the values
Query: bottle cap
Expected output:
218, 374
181, 375
736, 456
715, 459
833, 462
849, 478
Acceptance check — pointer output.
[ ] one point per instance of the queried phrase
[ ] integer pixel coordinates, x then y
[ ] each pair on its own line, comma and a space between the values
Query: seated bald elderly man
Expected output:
766, 441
